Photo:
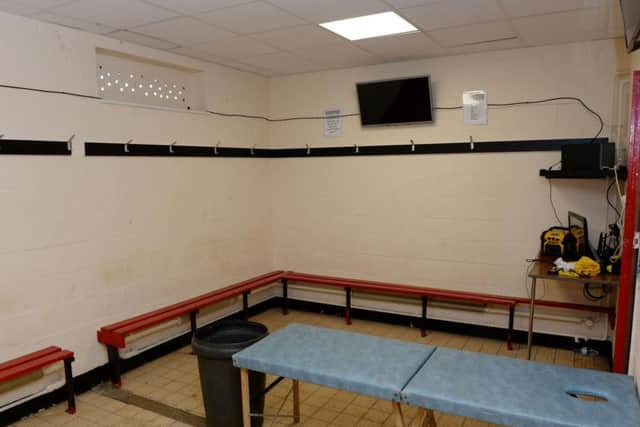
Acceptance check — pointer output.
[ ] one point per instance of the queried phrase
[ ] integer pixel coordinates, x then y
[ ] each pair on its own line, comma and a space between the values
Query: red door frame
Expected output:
628, 267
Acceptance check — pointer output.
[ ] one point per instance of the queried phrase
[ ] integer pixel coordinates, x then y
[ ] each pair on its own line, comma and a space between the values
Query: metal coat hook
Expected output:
357, 148
171, 147
69, 142
215, 149
308, 150
471, 142
126, 146
413, 146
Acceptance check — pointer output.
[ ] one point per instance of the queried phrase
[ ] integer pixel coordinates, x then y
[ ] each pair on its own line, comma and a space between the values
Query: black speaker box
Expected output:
588, 157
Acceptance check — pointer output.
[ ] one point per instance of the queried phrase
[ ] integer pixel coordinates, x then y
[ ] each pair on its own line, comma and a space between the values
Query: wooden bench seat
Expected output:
24, 365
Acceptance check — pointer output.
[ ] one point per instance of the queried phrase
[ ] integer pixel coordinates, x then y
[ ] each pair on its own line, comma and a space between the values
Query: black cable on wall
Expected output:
297, 118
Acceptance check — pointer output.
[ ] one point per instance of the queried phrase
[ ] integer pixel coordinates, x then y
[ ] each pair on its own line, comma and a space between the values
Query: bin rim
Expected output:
225, 350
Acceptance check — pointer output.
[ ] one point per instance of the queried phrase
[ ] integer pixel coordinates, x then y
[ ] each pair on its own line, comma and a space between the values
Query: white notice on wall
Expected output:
332, 122
475, 107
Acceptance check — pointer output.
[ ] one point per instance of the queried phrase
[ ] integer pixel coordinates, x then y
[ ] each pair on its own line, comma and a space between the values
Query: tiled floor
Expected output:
173, 380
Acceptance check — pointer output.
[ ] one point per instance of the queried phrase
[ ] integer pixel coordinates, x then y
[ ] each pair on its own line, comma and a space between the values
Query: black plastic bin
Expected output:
214, 345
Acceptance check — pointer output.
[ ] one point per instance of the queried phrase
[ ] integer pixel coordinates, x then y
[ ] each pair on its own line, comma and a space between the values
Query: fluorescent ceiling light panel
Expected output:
370, 26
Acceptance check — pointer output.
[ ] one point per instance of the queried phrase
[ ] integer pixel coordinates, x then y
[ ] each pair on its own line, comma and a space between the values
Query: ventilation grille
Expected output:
140, 89
124, 78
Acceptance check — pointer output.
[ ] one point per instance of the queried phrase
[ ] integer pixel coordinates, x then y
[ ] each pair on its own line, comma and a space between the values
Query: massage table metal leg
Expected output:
246, 407
532, 304
296, 401
397, 414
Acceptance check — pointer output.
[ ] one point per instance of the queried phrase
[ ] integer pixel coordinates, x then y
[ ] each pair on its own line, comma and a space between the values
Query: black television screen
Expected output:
395, 101
631, 20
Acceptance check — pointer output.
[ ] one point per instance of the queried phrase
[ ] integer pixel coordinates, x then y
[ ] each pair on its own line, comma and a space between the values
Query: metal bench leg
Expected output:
425, 418
296, 401
423, 323
285, 296
114, 365
194, 325
397, 414
245, 305
246, 407
510, 332
347, 309
192, 321
71, 396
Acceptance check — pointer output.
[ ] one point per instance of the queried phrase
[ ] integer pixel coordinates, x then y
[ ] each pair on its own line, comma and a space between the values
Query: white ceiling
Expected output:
277, 37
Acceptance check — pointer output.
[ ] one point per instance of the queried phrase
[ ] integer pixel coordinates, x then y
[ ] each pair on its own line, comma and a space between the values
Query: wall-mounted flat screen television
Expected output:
631, 20
399, 101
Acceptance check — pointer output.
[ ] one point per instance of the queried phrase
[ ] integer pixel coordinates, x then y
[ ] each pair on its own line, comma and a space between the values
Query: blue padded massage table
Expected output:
516, 392
362, 364
490, 388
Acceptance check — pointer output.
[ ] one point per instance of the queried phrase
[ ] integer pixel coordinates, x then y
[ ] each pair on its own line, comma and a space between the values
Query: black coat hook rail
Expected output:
149, 150
34, 148
152, 150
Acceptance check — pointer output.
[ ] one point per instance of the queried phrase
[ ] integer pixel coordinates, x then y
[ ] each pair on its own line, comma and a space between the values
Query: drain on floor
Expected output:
151, 405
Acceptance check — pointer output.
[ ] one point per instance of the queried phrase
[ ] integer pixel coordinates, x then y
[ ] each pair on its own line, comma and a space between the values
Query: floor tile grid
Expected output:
174, 380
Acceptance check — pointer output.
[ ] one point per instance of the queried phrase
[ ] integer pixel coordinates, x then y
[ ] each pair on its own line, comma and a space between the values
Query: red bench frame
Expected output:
392, 288
114, 336
31, 362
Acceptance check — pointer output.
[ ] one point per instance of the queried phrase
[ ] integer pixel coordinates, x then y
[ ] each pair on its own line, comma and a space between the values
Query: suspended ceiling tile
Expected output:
517, 8
402, 47
236, 47
78, 24
251, 18
243, 67
194, 53
142, 40
280, 63
121, 14
475, 33
277, 25
564, 27
338, 55
331, 10
305, 36
29, 7
190, 7
183, 31
400, 4
209, 57
488, 46
453, 13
